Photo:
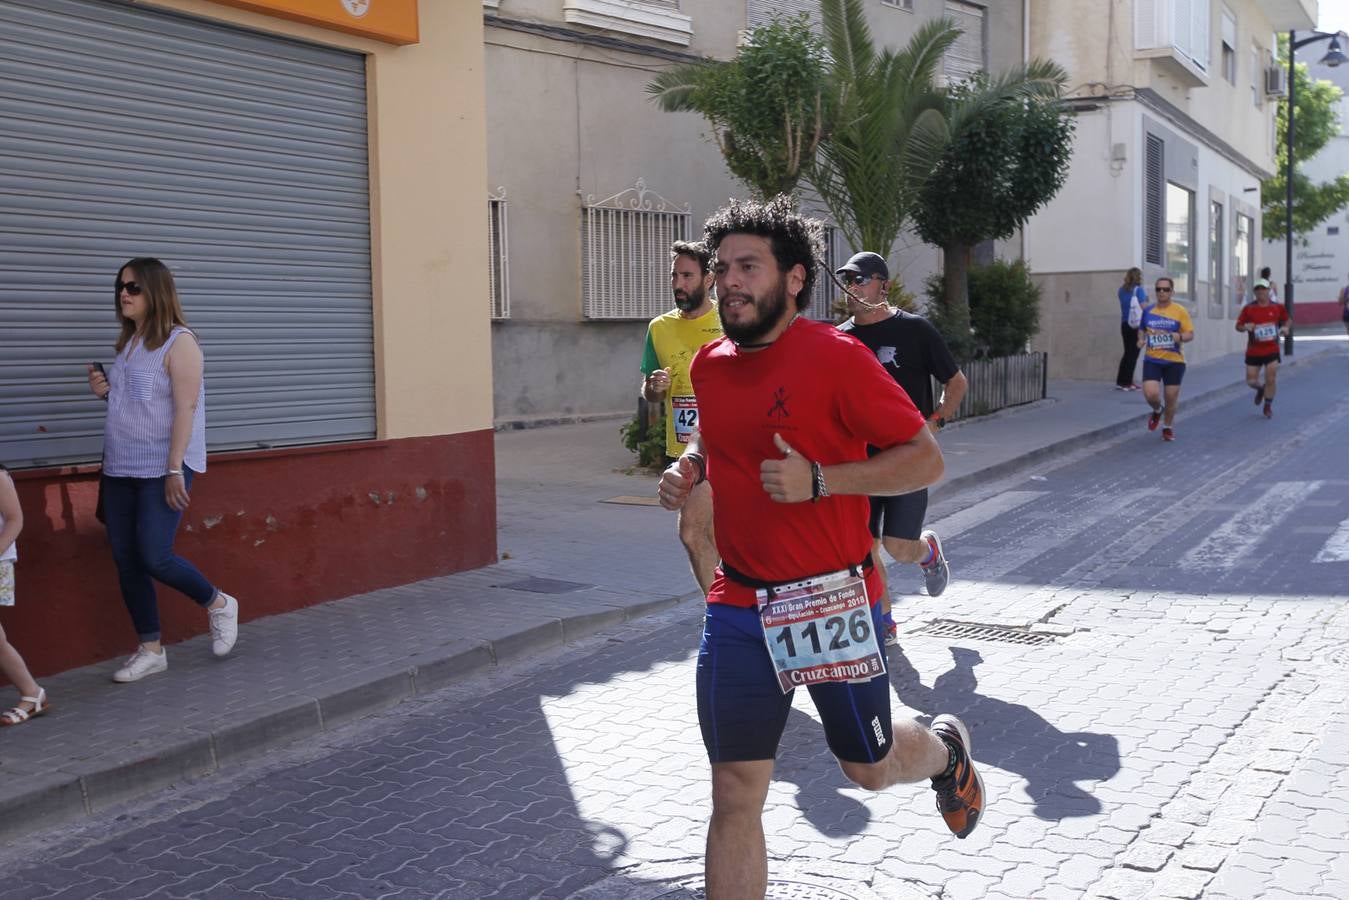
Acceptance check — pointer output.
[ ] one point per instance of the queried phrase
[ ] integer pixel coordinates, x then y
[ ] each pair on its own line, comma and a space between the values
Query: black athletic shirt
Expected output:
912, 352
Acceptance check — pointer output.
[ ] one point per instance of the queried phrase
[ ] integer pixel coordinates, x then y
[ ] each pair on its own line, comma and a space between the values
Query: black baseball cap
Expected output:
866, 263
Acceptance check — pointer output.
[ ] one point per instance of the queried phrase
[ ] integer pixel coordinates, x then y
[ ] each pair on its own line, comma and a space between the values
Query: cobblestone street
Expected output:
1176, 730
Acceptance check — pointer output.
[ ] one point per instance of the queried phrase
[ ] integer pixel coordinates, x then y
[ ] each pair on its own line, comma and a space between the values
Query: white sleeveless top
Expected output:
13, 551
139, 427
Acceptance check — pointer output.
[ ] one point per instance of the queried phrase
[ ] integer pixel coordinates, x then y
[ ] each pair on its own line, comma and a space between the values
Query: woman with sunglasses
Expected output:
154, 442
1165, 326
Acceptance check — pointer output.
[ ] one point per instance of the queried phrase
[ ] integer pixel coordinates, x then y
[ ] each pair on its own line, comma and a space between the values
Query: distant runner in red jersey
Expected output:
787, 408
1265, 322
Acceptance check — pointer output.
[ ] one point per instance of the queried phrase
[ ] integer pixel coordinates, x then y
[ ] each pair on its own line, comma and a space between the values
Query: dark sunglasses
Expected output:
130, 287
1162, 290
858, 279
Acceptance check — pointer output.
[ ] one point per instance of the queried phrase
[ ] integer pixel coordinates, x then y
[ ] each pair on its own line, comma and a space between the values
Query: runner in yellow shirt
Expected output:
672, 340
1165, 327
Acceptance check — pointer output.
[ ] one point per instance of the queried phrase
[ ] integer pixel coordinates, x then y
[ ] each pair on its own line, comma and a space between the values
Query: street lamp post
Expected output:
1334, 57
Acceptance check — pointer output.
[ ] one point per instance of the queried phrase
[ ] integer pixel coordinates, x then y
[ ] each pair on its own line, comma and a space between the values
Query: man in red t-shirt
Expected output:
1265, 322
787, 408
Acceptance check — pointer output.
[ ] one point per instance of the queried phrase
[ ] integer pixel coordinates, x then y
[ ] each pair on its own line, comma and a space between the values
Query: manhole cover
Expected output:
965, 631
543, 586
777, 890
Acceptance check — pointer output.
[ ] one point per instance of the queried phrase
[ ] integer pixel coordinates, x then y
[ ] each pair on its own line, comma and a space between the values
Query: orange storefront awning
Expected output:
394, 21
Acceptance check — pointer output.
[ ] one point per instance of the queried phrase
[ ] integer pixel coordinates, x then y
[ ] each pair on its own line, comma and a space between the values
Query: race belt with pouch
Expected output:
818, 629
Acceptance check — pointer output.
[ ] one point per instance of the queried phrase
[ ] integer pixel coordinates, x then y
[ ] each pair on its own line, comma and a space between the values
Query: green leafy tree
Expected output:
862, 171
1315, 124
999, 150
767, 106
1004, 307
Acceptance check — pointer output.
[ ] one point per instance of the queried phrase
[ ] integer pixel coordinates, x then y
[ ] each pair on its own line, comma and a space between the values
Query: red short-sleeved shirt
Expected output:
1263, 317
828, 397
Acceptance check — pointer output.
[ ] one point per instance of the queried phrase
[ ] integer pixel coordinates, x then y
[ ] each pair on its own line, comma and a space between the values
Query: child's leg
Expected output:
12, 665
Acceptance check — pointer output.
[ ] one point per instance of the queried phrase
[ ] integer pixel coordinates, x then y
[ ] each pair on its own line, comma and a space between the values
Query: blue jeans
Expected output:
141, 526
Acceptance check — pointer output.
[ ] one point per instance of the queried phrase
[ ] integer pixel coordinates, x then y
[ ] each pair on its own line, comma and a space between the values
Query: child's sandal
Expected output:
18, 715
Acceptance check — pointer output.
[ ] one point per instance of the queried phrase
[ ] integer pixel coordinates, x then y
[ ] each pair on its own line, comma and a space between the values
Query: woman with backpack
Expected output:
1132, 300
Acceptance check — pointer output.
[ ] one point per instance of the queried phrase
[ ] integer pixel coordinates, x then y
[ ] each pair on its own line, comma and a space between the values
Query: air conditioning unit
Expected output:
1276, 81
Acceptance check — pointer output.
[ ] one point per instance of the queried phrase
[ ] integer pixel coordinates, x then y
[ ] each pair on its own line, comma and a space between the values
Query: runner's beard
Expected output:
689, 302
770, 310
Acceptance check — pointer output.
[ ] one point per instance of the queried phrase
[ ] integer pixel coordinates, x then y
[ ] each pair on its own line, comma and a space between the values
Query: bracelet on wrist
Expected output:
701, 462
818, 488
178, 472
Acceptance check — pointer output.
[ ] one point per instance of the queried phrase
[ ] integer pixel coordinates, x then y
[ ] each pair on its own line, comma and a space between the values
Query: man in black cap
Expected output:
912, 351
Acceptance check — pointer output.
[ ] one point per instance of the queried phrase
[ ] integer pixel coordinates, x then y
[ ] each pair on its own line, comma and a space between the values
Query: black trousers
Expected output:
1129, 361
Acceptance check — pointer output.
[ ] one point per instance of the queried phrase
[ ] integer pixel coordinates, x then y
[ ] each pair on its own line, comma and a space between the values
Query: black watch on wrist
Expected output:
941, 422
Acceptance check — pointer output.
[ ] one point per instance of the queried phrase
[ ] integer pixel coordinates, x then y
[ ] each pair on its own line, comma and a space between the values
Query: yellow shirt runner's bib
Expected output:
672, 341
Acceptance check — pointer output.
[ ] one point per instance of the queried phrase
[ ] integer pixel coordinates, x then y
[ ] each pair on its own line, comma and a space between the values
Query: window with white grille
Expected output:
1154, 200
826, 291
759, 12
966, 56
1182, 25
498, 269
625, 251
899, 4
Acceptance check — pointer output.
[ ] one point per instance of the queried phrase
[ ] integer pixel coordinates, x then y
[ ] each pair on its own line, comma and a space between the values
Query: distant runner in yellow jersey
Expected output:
1165, 327
672, 340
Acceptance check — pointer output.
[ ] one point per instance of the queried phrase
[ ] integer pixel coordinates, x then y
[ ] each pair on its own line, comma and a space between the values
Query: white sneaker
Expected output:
224, 626
143, 663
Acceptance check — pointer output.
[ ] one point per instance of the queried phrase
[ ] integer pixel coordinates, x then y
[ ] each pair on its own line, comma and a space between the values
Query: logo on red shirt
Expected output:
779, 409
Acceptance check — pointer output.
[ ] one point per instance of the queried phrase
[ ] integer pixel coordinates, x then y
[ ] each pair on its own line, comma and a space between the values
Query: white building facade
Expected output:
589, 181
1320, 256
1176, 104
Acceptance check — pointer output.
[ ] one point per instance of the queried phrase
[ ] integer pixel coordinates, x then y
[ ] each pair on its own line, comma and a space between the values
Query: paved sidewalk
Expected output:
571, 565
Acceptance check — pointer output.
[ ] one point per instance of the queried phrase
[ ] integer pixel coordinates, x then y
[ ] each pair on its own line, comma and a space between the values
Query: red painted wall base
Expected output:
279, 529
1316, 313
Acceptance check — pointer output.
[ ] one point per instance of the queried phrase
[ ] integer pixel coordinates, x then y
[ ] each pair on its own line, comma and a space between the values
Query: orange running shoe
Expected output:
960, 795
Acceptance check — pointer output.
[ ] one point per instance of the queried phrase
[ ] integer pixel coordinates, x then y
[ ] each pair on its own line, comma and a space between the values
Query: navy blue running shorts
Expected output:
742, 711
1168, 373
900, 516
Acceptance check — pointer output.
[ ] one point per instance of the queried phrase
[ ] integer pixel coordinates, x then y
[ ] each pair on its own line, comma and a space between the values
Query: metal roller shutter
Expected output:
238, 158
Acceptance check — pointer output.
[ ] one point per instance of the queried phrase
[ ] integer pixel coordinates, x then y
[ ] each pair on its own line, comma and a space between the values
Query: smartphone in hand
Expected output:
98, 367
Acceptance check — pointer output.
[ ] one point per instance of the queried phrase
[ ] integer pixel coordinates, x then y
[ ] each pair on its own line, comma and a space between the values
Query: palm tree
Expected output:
863, 171
766, 106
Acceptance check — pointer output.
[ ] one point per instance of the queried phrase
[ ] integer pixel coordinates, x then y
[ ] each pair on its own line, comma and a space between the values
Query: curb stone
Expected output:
59, 798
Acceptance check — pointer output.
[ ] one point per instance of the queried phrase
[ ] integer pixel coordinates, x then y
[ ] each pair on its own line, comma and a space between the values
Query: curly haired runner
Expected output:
788, 407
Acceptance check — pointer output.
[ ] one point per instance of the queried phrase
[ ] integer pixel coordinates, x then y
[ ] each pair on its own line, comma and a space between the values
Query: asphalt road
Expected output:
1177, 732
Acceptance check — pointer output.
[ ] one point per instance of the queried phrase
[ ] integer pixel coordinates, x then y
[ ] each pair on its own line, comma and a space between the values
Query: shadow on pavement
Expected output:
1013, 737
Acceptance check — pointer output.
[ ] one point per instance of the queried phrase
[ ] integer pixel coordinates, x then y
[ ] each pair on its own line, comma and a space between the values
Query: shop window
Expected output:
1215, 259
1180, 239
1243, 261
625, 249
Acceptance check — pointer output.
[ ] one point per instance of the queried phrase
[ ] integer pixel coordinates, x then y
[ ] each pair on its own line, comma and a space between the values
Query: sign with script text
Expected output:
393, 21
